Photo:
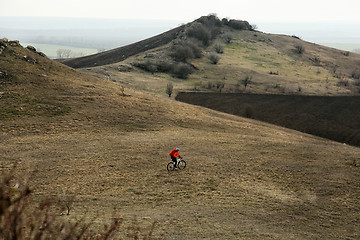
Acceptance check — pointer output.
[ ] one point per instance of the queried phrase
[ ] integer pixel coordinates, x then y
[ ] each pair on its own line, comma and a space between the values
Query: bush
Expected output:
154, 66
219, 48
182, 70
214, 57
355, 74
169, 89
196, 47
228, 37
182, 51
199, 32
22, 218
299, 49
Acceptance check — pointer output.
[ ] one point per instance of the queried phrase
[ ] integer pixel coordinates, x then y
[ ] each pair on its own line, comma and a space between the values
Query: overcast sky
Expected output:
187, 10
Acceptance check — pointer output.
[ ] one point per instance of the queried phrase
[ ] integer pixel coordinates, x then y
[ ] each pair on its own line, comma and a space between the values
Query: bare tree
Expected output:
246, 81
63, 53
220, 86
169, 89
67, 201
122, 89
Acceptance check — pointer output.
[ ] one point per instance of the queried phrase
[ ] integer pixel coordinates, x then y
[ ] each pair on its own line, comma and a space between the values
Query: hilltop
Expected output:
85, 136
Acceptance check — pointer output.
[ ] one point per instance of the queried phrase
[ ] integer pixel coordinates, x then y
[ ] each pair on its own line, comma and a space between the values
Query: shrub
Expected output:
182, 70
355, 74
181, 53
219, 48
199, 32
154, 66
184, 50
228, 37
196, 47
147, 65
299, 49
220, 85
214, 57
169, 89
246, 81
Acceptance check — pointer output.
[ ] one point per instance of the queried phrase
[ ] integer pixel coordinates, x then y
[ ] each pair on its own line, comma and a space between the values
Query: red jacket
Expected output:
174, 153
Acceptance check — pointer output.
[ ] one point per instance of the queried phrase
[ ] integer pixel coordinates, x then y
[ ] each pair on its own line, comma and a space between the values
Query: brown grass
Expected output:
244, 179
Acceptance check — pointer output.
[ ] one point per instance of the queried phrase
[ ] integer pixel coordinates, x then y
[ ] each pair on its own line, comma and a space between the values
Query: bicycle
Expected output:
180, 164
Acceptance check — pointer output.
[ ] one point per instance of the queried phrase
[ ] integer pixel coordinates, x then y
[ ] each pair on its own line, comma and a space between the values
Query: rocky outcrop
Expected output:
3, 45
33, 49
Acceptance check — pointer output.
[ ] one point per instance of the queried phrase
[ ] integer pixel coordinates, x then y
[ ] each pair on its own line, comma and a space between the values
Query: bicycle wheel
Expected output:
181, 164
170, 166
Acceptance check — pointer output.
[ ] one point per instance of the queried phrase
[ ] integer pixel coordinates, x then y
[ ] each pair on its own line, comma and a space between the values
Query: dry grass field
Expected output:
72, 134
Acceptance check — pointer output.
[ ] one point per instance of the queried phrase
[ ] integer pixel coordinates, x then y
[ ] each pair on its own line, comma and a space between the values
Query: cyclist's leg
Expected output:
174, 160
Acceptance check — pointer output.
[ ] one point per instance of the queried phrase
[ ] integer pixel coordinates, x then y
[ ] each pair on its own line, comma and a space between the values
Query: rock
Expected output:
14, 43
41, 54
3, 74
30, 60
3, 45
31, 48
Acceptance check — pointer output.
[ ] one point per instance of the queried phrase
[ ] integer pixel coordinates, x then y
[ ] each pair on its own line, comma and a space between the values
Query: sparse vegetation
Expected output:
63, 53
355, 74
183, 51
246, 81
21, 218
169, 89
299, 49
214, 57
228, 37
219, 48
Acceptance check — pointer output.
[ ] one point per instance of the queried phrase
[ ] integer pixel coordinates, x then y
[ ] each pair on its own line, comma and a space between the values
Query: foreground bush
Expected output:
21, 218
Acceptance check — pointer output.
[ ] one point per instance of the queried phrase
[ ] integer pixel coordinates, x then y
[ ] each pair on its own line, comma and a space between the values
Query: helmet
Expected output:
177, 149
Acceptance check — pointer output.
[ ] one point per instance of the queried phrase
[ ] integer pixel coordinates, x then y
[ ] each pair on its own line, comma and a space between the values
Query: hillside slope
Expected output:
272, 64
75, 134
121, 53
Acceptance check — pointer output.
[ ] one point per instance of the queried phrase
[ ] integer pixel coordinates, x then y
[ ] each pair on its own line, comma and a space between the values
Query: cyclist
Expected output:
174, 154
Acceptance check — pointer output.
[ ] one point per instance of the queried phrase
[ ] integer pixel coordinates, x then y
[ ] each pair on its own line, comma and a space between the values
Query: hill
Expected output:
76, 134
270, 63
120, 54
